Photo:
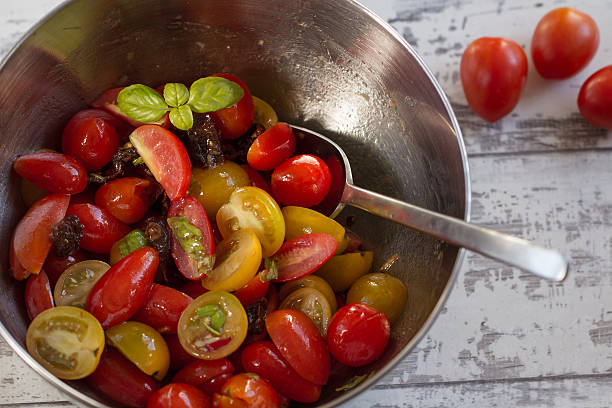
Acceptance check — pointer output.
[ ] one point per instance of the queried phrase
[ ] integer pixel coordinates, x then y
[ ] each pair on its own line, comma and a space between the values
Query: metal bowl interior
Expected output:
330, 66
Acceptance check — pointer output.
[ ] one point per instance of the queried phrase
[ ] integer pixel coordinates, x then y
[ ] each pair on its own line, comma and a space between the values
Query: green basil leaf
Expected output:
176, 94
213, 93
207, 310
182, 117
142, 103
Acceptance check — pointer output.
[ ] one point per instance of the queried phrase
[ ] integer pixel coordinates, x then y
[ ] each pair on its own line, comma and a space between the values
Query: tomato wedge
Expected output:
165, 156
55, 172
18, 271
303, 255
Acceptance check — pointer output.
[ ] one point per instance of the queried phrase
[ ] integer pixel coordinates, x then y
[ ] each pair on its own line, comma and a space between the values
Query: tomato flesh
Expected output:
177, 395
302, 180
252, 389
101, 229
235, 120
272, 147
162, 309
303, 255
595, 98
55, 172
127, 198
75, 283
38, 295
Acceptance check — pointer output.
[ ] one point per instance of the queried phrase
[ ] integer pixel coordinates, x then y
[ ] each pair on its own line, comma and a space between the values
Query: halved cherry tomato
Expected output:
254, 290
213, 325
358, 334
224, 401
177, 395
55, 172
101, 230
215, 385
179, 358
252, 389
263, 358
303, 255
235, 120
31, 236
120, 380
126, 198
55, 265
165, 156
199, 260
302, 180
75, 283
264, 113
201, 371
595, 98
257, 180
162, 309
300, 221
67, 341
293, 333
313, 303
272, 147
341, 271
108, 102
38, 296
122, 290
310, 281
91, 137
253, 208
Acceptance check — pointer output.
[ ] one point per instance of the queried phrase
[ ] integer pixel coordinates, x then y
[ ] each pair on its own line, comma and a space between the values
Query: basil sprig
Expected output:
209, 94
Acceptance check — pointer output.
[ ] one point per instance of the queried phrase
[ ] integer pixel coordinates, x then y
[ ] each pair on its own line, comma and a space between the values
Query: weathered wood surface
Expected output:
504, 338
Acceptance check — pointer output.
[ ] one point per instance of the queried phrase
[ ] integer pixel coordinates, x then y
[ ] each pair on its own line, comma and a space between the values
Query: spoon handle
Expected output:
543, 262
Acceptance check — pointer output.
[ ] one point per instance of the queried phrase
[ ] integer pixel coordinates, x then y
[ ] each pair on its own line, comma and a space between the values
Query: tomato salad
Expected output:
170, 257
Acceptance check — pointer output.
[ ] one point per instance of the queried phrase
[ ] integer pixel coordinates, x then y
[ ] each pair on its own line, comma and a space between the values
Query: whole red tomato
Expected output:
493, 74
563, 43
302, 180
54, 172
126, 198
272, 147
252, 389
177, 395
38, 295
595, 98
162, 309
200, 371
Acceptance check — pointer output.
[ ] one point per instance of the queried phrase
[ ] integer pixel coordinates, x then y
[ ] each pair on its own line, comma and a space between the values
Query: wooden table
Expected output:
505, 338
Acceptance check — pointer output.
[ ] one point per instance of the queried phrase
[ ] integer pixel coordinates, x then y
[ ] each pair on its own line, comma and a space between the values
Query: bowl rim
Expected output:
80, 397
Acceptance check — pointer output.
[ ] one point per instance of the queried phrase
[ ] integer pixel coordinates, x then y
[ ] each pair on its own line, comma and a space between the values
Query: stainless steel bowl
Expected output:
331, 66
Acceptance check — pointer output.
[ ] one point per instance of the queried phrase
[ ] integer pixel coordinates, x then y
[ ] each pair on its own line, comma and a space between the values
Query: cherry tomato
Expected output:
338, 180
108, 102
310, 281
272, 147
177, 395
341, 271
257, 180
122, 290
381, 291
493, 74
235, 120
55, 265
162, 309
90, 137
67, 341
254, 290
224, 401
17, 270
293, 333
300, 221
358, 334
264, 113
595, 98
302, 180
263, 358
252, 389
303, 255
179, 358
198, 261
101, 229
127, 198
55, 172
165, 156
120, 380
215, 385
38, 296
199, 372
253, 208
31, 236
563, 43
75, 283
313, 303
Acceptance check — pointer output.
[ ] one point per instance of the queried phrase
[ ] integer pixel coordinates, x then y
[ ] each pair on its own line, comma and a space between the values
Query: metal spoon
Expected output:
540, 261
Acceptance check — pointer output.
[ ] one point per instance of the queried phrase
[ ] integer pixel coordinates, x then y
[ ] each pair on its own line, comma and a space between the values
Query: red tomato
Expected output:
215, 385
108, 102
235, 120
595, 98
257, 179
294, 333
303, 255
252, 389
101, 230
563, 43
38, 295
120, 380
338, 179
128, 198
201, 371
90, 137
493, 75
55, 172
263, 358
31, 236
272, 147
55, 265
162, 309
177, 395
18, 271
165, 156
357, 334
224, 401
190, 208
252, 291
302, 180
193, 288
123, 289
179, 358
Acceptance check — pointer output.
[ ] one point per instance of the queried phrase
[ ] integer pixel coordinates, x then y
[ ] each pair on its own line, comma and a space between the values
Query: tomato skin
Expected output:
252, 291
127, 198
264, 359
224, 401
252, 389
55, 265
200, 371
235, 120
358, 334
162, 309
563, 43
177, 395
55, 172
120, 380
303, 255
272, 147
215, 385
101, 230
38, 295
179, 358
31, 236
595, 98
302, 180
257, 180
292, 332
493, 74
123, 289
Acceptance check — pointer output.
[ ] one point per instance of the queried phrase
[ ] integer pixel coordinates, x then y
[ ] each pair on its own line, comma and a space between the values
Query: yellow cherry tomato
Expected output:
310, 281
300, 221
75, 283
313, 303
253, 208
67, 341
143, 346
264, 113
342, 270
381, 291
